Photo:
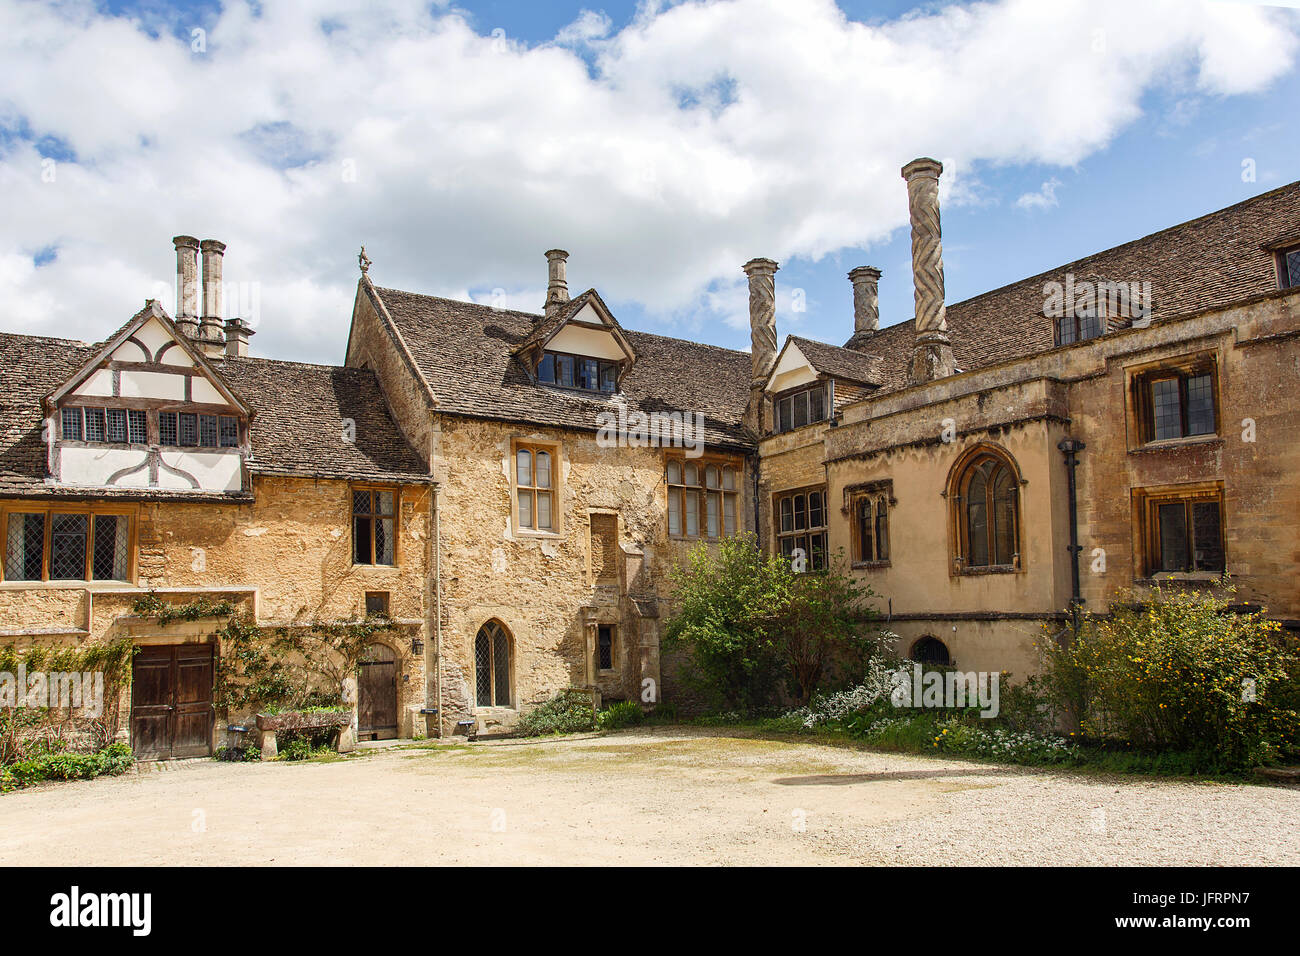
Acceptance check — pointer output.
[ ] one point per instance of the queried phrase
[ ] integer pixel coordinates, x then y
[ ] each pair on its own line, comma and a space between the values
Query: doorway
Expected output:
171, 701
377, 694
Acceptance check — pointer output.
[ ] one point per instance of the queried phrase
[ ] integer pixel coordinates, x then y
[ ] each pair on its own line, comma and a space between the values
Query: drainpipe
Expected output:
758, 527
437, 598
1071, 448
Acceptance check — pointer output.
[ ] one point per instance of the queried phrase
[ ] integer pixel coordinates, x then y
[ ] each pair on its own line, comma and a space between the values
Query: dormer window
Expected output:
1078, 328
1289, 267
577, 371
800, 407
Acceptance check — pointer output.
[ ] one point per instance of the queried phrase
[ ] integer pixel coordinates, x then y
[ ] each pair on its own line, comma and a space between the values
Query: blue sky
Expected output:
663, 146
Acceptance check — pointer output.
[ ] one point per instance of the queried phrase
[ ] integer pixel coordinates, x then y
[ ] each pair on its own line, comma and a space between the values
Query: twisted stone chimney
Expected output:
187, 285
211, 335
866, 302
762, 332
932, 354
557, 285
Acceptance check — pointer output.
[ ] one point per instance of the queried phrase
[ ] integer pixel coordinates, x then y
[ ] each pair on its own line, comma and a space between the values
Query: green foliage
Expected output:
626, 713
568, 712
1182, 672
301, 668
62, 765
246, 754
749, 621
304, 745
151, 605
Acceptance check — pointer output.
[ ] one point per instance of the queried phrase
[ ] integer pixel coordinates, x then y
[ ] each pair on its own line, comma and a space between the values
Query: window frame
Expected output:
603, 365
880, 496
486, 629
1283, 267
959, 479
374, 490
1147, 503
809, 531
533, 446
705, 495
613, 649
824, 386
91, 511
1142, 407
223, 424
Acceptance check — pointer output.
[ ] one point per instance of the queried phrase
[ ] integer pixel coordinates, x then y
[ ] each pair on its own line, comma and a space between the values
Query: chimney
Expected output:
211, 335
557, 286
762, 333
187, 285
932, 354
237, 333
866, 301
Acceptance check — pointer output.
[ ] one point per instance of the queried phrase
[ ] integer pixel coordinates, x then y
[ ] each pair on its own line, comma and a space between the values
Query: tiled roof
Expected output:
297, 426
844, 363
464, 351
300, 415
1207, 262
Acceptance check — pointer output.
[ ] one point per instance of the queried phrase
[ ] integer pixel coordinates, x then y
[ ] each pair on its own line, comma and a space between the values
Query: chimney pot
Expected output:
557, 285
932, 354
187, 285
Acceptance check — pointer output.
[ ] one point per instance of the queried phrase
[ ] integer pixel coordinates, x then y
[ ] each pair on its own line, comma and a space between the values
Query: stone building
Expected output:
513, 488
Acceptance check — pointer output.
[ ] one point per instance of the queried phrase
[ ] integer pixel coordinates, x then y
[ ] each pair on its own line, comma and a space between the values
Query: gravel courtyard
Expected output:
662, 796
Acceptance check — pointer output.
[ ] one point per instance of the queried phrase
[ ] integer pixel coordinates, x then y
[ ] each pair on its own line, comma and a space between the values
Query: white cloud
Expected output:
705, 134
1045, 198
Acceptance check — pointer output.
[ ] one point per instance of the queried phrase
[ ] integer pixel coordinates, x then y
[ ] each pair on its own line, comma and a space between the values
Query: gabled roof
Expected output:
1209, 262
466, 352
151, 311
549, 326
297, 428
842, 363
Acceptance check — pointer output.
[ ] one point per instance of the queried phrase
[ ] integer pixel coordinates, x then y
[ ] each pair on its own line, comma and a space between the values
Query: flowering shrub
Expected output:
953, 735
875, 687
1182, 672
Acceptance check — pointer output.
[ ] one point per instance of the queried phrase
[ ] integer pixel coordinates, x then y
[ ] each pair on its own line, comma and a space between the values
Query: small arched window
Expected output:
931, 650
492, 662
986, 499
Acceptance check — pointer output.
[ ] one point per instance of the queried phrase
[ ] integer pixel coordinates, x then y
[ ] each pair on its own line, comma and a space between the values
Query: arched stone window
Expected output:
930, 650
492, 666
984, 490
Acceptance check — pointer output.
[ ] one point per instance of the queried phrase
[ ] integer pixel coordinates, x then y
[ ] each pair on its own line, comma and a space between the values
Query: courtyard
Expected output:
675, 796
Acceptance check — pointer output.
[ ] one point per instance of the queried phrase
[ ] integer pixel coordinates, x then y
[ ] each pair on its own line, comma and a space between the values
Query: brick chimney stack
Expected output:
211, 333
932, 355
557, 285
762, 332
187, 285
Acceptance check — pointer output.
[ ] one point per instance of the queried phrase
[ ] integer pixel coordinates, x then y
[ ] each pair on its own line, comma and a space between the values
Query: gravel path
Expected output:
661, 796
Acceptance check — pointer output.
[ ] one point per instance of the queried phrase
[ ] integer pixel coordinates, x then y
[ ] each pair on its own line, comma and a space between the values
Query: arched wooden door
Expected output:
377, 694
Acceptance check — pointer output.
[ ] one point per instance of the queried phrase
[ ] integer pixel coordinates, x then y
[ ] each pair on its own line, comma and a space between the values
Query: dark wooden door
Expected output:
171, 701
377, 694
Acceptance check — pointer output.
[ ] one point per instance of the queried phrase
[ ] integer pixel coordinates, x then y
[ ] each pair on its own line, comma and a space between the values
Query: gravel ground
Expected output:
661, 796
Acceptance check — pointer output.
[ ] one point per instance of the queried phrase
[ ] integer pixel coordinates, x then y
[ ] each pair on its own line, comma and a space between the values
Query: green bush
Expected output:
568, 712
1182, 672
63, 765
625, 713
245, 754
305, 744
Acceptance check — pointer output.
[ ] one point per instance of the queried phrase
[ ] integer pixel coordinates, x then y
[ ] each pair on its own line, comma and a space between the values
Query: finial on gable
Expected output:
363, 260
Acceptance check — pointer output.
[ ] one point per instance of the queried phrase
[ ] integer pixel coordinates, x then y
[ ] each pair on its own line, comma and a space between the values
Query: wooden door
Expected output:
171, 701
377, 694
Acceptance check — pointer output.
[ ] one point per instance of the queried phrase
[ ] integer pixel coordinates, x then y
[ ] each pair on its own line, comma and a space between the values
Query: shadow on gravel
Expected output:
847, 779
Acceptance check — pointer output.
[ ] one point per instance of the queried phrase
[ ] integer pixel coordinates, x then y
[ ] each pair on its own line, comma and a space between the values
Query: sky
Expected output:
662, 144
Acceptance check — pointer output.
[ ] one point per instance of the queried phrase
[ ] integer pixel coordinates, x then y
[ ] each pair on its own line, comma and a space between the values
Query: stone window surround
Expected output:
556, 450
1144, 502
957, 475
18, 506
702, 462
809, 530
1135, 376
883, 492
